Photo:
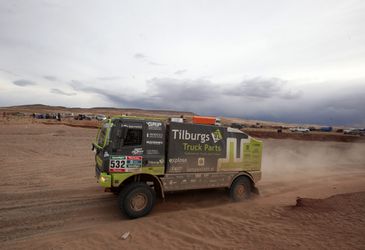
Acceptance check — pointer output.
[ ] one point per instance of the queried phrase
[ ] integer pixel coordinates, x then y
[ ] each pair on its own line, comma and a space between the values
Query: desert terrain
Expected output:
49, 199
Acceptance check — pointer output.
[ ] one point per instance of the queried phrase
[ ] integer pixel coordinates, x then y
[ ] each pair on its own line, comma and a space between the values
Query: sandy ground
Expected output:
49, 199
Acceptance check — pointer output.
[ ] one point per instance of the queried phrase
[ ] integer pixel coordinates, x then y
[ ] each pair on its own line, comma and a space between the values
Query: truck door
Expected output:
127, 147
138, 146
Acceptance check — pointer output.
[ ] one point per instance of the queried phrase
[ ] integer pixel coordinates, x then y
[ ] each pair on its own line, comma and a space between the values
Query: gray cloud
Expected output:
200, 89
24, 83
341, 107
60, 92
187, 93
113, 97
108, 78
50, 78
290, 94
9, 72
180, 72
263, 98
271, 99
258, 88
170, 89
154, 63
144, 58
139, 56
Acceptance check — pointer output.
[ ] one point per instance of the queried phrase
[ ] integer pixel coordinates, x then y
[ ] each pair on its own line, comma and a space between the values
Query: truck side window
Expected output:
133, 138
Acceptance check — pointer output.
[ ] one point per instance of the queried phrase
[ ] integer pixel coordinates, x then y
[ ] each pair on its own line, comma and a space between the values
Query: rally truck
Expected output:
142, 159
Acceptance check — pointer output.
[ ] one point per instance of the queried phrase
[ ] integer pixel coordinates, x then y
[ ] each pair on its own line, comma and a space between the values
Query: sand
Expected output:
49, 199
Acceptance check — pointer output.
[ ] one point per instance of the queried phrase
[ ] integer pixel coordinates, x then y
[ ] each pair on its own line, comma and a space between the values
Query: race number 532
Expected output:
117, 165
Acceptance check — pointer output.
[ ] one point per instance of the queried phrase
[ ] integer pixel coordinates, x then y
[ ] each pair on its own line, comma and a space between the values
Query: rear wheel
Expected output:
240, 189
137, 200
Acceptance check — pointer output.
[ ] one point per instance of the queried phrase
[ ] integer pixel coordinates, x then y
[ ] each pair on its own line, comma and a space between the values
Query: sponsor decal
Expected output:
134, 157
152, 152
138, 126
137, 151
155, 135
188, 147
217, 136
201, 161
154, 142
178, 160
183, 134
159, 162
134, 162
154, 125
120, 164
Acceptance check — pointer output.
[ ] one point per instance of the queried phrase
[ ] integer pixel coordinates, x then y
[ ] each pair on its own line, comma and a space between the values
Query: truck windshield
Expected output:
103, 134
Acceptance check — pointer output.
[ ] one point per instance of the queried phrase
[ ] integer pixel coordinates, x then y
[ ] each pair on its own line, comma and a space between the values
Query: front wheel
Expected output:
137, 200
240, 189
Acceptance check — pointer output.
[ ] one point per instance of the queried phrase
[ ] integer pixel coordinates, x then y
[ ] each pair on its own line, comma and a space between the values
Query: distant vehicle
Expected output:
257, 125
299, 129
68, 115
237, 125
176, 119
90, 117
326, 129
354, 131
79, 117
100, 117
39, 116
207, 120
312, 128
82, 117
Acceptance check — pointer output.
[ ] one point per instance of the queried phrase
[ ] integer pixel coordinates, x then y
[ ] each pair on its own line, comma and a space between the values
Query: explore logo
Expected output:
217, 136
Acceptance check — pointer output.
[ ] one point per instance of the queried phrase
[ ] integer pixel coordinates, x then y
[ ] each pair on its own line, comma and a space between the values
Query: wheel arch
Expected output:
249, 176
143, 177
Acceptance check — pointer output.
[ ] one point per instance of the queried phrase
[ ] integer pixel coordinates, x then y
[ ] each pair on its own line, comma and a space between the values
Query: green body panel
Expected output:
106, 139
99, 160
251, 153
117, 178
240, 155
105, 180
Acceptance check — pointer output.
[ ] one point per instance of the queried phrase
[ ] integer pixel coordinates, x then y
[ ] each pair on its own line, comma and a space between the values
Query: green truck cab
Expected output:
141, 159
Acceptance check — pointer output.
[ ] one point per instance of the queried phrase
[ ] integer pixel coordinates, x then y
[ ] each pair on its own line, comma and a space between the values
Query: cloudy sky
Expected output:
293, 61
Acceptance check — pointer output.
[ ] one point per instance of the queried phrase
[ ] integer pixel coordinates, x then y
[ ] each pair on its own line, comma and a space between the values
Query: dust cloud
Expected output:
293, 157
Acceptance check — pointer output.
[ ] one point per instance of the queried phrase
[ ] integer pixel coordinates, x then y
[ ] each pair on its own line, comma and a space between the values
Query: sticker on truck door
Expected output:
121, 164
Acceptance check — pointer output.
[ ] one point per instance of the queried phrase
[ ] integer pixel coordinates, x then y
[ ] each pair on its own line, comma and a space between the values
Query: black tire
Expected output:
240, 189
136, 200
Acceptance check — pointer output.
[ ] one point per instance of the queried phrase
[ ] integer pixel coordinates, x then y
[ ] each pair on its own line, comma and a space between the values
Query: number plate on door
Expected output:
120, 164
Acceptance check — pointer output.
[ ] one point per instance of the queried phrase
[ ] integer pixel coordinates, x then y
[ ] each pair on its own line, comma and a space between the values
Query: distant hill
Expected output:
37, 108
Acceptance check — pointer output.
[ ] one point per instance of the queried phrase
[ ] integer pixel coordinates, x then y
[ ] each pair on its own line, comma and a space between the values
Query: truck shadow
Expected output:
181, 201
191, 199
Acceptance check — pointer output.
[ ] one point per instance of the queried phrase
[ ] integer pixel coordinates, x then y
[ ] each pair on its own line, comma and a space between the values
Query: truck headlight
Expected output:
105, 180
